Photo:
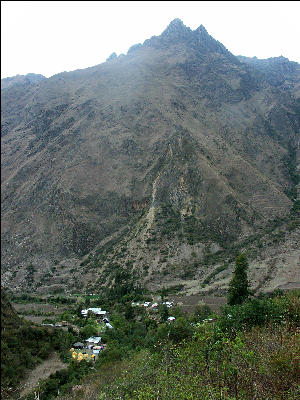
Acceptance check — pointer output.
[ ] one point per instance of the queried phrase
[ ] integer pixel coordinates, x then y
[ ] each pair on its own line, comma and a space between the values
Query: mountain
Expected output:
278, 71
17, 80
159, 165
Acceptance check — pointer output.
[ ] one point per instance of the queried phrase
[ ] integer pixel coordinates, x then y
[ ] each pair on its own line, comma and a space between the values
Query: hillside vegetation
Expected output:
23, 346
250, 352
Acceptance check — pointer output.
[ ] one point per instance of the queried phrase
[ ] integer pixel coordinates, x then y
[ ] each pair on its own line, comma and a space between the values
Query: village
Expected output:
86, 337
89, 349
96, 332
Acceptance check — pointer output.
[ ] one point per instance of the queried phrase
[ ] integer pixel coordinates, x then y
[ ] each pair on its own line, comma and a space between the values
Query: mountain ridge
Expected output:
178, 121
16, 80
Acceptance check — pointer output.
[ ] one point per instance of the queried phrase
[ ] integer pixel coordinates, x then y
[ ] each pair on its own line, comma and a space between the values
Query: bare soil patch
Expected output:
44, 307
34, 318
35, 308
188, 303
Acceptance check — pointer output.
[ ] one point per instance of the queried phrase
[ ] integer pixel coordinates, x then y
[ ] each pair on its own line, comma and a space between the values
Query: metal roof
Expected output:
94, 339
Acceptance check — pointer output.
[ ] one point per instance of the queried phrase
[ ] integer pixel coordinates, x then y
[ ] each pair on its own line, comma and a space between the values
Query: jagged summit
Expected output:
176, 26
176, 30
177, 22
176, 33
201, 28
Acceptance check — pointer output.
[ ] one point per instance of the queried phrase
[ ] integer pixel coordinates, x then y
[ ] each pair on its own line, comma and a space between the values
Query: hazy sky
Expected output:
48, 37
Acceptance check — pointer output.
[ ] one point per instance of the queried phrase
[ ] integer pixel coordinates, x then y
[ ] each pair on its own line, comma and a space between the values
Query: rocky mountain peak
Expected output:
198, 39
176, 28
176, 24
201, 29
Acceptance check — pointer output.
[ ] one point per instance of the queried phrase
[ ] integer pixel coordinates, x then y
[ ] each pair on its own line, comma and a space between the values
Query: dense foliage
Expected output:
248, 351
251, 352
24, 347
239, 287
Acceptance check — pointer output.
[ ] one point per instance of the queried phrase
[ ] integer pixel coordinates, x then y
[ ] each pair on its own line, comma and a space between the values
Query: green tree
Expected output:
88, 330
129, 312
201, 312
239, 286
163, 312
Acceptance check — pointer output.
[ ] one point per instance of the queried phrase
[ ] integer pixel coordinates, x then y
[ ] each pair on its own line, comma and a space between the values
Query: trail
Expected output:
41, 371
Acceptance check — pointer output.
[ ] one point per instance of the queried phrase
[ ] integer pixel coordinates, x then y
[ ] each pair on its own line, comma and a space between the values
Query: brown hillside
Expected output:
179, 145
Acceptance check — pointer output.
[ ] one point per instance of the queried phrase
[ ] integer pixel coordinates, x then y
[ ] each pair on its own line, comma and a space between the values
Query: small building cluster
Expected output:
91, 348
154, 306
168, 303
93, 345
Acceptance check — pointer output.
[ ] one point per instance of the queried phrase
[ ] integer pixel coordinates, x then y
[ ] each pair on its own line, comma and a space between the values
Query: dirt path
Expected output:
42, 371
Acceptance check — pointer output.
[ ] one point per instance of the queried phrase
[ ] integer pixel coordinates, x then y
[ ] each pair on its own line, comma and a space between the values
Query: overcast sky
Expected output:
48, 37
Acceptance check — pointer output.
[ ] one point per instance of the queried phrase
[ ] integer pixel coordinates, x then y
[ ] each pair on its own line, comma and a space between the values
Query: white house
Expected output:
96, 311
171, 319
168, 303
93, 341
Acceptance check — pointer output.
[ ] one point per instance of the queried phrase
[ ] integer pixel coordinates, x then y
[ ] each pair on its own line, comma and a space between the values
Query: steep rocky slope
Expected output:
147, 164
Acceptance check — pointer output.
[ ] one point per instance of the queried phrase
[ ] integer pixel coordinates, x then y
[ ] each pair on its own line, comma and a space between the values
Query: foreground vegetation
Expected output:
261, 364
26, 346
250, 351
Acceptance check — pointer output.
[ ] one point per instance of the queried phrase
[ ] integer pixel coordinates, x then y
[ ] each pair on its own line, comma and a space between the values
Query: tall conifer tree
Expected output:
239, 285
